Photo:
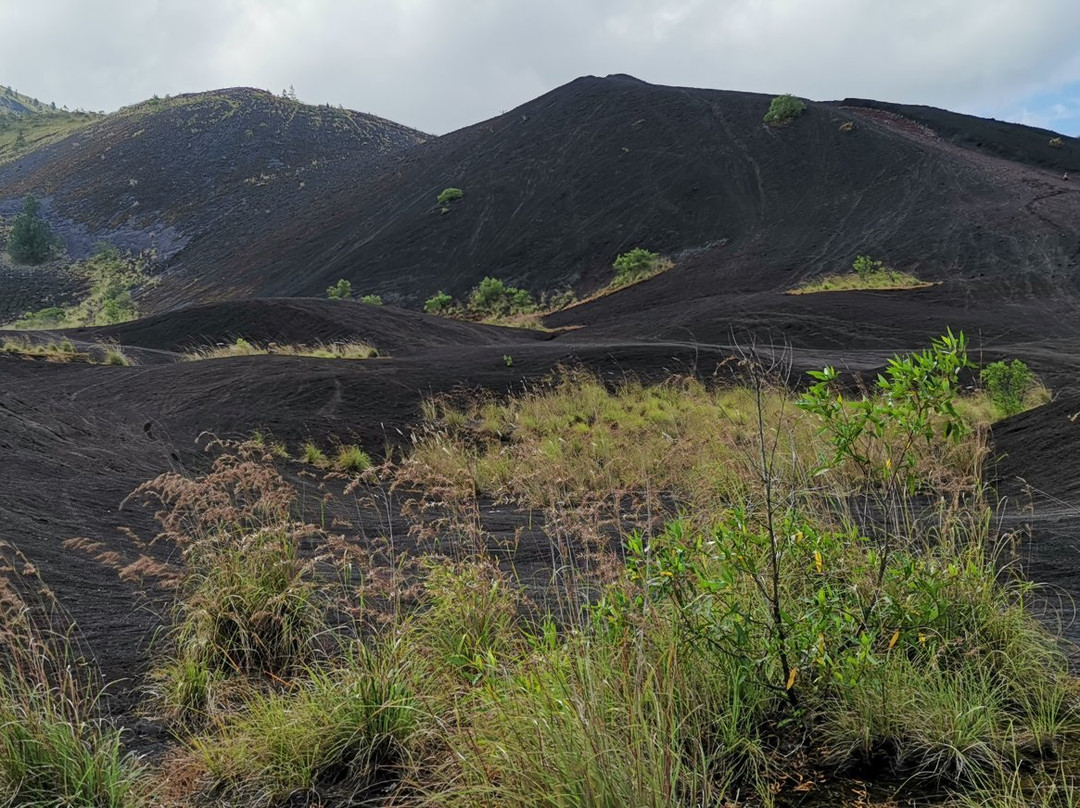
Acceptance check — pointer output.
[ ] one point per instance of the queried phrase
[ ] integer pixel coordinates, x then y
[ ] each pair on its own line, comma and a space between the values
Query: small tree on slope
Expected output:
31, 241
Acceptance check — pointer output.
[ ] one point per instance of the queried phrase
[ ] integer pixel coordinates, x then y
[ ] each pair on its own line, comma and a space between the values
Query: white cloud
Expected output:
440, 64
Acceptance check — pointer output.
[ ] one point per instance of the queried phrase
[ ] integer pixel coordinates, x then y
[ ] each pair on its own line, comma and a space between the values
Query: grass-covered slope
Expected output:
27, 123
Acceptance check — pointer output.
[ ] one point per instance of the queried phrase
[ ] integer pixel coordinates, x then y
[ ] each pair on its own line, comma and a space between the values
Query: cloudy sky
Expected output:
441, 64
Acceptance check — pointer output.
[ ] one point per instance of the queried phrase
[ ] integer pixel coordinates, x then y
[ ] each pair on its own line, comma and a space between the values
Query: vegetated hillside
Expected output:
555, 189
27, 123
201, 174
14, 103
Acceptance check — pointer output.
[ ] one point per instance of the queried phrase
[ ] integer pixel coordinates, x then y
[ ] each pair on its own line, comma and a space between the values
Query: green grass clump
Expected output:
469, 626
53, 753
354, 349
115, 356
240, 347
311, 454
749, 590
352, 459
265, 442
56, 747
448, 195
346, 726
248, 605
576, 437
63, 351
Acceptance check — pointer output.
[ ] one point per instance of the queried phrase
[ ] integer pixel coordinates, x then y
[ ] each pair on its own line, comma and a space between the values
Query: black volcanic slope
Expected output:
198, 177
555, 189
303, 321
1023, 144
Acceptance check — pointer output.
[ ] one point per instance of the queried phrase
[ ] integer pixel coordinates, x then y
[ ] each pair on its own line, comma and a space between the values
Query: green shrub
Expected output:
118, 309
49, 317
342, 290
866, 274
784, 108
1007, 384
635, 265
30, 241
864, 266
493, 298
554, 301
449, 195
439, 303
372, 300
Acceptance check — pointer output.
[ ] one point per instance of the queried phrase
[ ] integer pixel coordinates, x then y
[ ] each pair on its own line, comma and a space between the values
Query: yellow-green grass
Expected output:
351, 459
353, 349
575, 439
56, 745
978, 410
65, 351
311, 454
37, 130
852, 282
350, 722
347, 458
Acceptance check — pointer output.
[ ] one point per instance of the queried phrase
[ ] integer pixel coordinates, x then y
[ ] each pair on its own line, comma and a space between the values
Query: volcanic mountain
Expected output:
196, 178
243, 193
558, 187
